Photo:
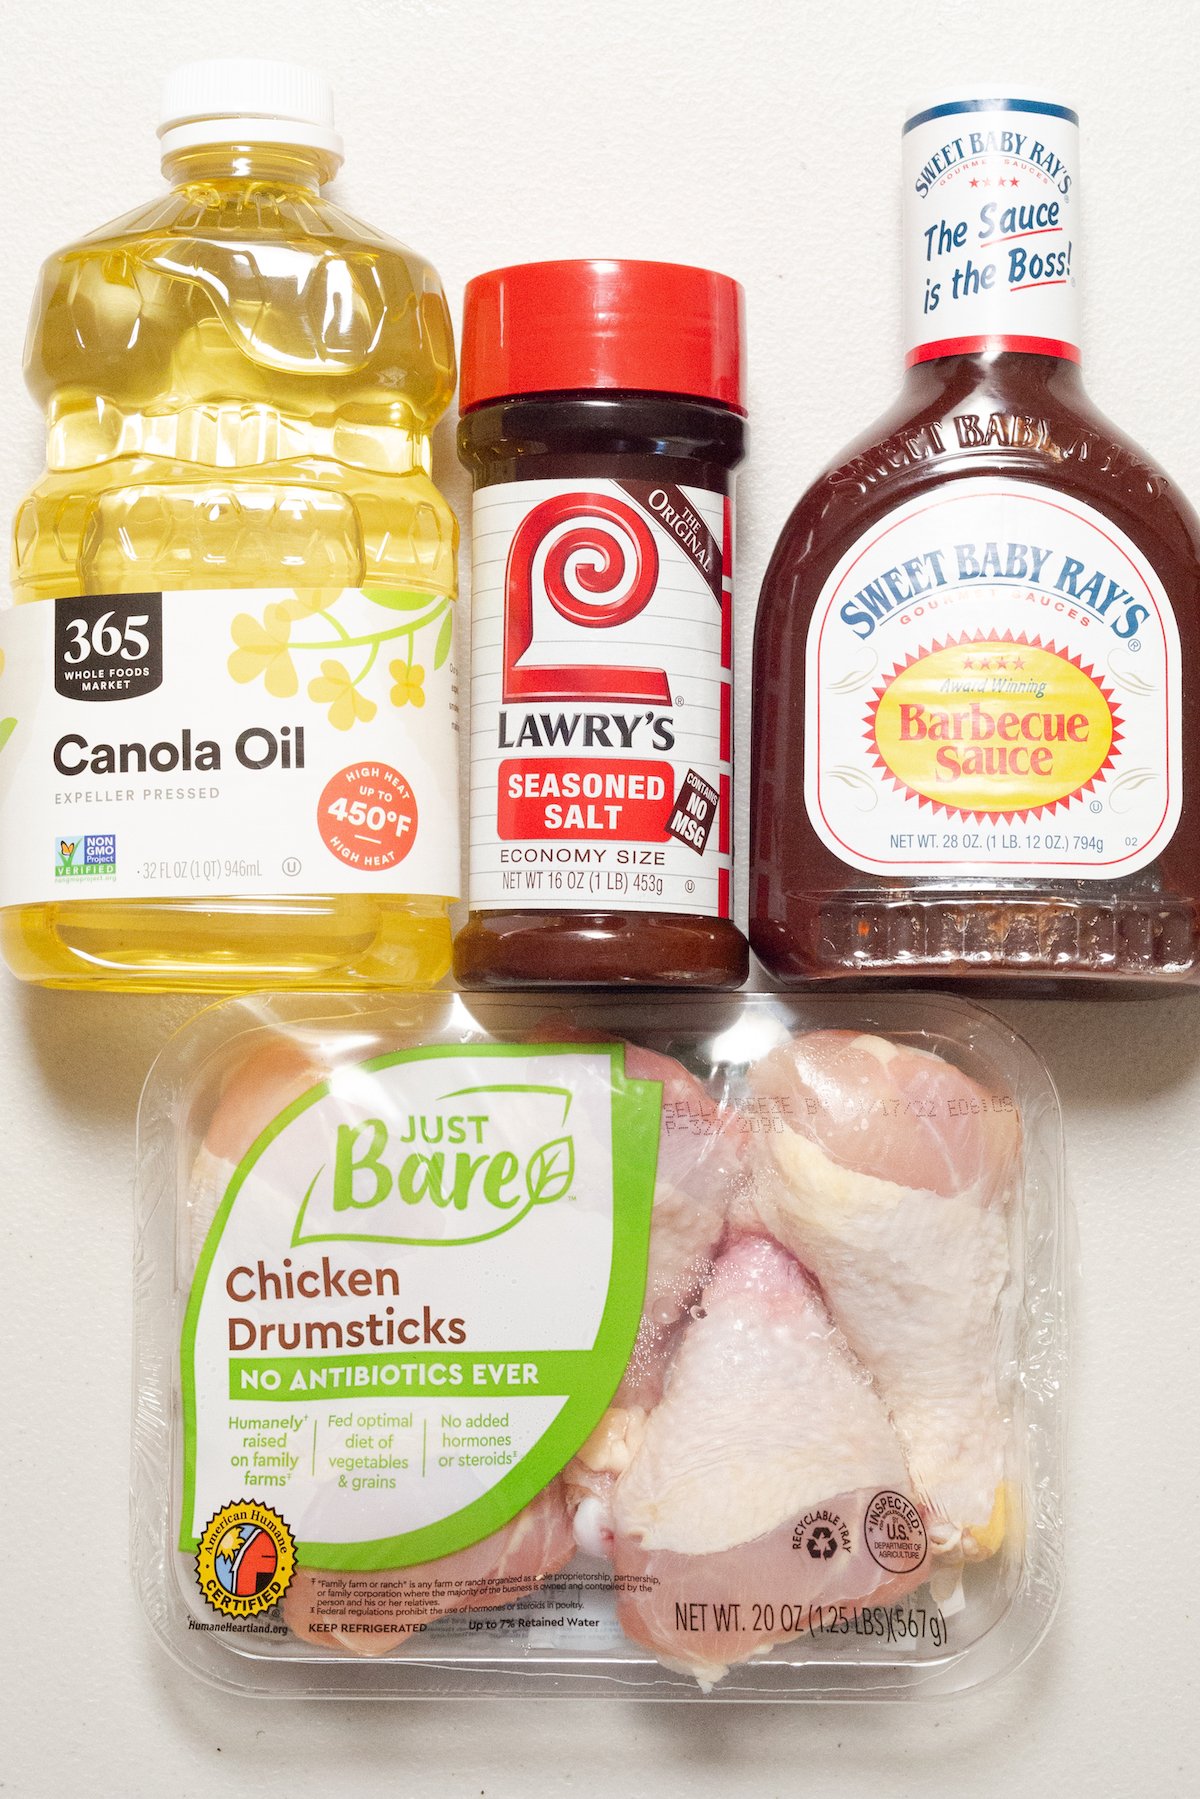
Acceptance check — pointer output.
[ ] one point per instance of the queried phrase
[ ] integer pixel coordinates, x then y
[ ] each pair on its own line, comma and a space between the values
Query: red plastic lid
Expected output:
657, 327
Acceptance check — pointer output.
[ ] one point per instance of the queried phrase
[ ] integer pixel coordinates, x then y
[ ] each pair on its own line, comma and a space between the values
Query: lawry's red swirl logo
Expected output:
593, 559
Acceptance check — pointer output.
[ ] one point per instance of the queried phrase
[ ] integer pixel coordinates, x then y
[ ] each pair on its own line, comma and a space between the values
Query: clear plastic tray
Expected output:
765, 1297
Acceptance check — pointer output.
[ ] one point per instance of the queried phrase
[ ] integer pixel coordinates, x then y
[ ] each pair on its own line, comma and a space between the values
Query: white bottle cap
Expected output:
924, 100
247, 100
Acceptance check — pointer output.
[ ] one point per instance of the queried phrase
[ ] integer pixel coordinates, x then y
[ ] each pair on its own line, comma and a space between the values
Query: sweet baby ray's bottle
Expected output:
230, 739
977, 729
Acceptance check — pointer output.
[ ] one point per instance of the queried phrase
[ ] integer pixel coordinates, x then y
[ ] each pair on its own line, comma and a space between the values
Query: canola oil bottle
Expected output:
228, 744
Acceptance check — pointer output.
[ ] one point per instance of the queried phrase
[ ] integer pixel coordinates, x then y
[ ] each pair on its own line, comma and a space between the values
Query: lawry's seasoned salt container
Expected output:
603, 417
704, 1347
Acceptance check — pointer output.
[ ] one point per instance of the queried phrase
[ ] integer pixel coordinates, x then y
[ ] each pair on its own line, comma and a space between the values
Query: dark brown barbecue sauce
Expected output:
976, 739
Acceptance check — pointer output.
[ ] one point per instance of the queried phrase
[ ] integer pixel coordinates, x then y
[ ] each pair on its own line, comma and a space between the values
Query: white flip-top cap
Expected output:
247, 100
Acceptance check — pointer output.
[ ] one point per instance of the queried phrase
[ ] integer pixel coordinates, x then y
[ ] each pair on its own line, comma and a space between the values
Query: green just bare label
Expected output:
418, 1295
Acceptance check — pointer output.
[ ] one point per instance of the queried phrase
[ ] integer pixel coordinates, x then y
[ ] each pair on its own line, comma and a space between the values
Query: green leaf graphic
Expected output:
445, 639
400, 599
7, 727
551, 1170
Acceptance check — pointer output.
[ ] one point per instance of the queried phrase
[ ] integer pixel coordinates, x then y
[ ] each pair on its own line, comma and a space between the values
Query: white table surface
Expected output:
760, 138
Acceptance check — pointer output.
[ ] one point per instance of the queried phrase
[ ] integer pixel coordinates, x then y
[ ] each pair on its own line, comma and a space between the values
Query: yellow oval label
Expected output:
995, 727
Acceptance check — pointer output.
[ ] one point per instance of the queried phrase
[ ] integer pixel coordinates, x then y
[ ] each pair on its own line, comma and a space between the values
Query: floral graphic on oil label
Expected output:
336, 688
409, 684
343, 632
263, 649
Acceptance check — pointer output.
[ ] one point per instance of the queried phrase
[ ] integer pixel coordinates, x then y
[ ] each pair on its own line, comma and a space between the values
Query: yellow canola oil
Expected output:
239, 383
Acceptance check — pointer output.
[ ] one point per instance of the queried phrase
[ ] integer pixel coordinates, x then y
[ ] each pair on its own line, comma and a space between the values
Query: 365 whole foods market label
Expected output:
419, 1293
601, 681
262, 741
993, 681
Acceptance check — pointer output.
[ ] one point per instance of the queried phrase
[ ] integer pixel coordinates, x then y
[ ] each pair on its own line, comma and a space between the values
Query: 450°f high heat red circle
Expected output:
367, 816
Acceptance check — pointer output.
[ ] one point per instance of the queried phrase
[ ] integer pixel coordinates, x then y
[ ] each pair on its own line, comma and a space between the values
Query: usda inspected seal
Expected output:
894, 1533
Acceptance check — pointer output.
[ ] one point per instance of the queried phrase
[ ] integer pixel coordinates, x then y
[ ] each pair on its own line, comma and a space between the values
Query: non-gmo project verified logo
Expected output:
86, 858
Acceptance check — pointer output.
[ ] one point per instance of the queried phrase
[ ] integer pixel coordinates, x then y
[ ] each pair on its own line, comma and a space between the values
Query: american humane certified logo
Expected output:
245, 1559
90, 858
468, 1165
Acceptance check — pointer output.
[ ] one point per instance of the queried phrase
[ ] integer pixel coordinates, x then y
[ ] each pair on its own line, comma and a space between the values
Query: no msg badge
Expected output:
695, 812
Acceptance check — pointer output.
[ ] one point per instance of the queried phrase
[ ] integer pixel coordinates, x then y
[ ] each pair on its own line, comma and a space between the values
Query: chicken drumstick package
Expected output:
708, 1347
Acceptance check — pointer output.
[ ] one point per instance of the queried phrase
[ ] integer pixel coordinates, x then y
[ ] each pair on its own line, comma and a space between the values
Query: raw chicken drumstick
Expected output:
260, 1087
700, 1170
888, 1179
745, 1501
